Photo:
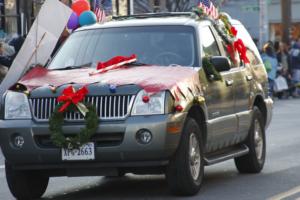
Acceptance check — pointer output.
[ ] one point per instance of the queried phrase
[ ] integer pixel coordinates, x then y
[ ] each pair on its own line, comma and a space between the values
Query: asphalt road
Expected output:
280, 178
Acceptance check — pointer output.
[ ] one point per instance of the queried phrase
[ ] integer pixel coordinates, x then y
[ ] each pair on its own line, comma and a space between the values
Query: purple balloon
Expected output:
73, 22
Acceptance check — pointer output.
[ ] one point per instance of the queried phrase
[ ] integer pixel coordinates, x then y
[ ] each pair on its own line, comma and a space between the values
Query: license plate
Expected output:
85, 152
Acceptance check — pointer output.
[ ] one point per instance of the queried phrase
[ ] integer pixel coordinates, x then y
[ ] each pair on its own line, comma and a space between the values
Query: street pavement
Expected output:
280, 178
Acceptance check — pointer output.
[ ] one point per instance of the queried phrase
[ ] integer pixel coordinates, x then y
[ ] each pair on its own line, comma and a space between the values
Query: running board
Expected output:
226, 154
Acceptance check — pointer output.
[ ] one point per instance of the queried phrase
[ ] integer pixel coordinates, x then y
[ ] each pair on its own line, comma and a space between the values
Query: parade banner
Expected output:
40, 41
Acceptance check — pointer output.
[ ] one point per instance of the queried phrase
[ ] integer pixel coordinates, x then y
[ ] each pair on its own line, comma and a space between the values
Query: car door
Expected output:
242, 85
243, 79
219, 96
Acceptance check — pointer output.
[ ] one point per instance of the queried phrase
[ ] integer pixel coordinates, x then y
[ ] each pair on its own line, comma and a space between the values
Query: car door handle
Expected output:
229, 83
249, 77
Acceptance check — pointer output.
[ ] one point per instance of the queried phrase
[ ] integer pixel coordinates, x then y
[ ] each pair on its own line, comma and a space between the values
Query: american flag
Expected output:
209, 8
99, 11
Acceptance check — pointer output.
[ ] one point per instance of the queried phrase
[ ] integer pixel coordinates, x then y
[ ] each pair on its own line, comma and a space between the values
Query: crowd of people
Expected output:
282, 62
8, 51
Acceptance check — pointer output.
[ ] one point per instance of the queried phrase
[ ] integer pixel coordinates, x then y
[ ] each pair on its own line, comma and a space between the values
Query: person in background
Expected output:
283, 57
3, 68
295, 63
282, 53
271, 64
6, 57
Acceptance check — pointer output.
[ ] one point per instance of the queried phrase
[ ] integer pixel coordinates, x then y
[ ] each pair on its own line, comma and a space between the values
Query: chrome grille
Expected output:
107, 107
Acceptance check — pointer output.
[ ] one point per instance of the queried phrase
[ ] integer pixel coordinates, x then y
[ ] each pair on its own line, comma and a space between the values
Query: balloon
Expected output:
73, 22
81, 6
87, 18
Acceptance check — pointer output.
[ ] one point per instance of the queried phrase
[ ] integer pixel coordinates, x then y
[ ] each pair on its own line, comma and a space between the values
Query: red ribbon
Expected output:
233, 31
70, 96
241, 48
238, 46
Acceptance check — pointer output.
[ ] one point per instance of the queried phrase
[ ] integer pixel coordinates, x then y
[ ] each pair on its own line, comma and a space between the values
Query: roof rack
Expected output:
148, 15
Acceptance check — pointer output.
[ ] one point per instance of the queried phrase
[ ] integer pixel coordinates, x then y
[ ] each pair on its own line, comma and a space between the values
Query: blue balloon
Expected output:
87, 18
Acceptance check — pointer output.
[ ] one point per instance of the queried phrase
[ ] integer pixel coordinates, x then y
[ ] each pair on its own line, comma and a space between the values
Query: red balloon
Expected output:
81, 6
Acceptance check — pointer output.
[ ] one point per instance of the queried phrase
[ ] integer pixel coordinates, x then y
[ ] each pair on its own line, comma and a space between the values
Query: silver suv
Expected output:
172, 115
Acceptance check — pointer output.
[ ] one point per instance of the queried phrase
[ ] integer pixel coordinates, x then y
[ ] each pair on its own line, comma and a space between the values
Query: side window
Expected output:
237, 59
209, 43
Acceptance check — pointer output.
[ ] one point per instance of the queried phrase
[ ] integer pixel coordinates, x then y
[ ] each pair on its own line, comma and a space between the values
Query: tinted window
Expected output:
238, 62
253, 58
157, 45
209, 44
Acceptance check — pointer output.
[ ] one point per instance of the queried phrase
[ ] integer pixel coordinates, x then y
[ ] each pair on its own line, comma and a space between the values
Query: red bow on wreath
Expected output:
71, 96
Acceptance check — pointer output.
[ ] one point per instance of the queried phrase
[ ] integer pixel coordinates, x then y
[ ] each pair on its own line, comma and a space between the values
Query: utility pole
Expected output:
130, 7
286, 20
263, 22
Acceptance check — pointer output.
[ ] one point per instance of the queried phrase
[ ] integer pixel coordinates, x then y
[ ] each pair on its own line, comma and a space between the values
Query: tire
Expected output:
25, 185
182, 180
254, 161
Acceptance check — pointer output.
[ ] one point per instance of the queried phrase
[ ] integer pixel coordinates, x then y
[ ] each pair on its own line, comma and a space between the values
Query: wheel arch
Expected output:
197, 112
260, 103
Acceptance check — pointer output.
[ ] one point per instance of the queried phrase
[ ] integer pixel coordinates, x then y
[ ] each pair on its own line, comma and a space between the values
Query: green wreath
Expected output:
56, 122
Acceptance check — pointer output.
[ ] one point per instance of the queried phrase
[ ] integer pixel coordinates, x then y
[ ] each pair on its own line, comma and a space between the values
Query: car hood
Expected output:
151, 78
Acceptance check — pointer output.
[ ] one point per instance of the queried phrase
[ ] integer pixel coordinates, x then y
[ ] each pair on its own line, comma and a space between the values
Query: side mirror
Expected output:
221, 63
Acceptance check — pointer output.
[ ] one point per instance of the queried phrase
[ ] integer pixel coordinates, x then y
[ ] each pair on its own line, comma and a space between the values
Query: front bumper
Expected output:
34, 155
269, 106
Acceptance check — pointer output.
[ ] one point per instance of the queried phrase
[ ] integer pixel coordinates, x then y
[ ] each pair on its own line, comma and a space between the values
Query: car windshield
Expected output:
153, 45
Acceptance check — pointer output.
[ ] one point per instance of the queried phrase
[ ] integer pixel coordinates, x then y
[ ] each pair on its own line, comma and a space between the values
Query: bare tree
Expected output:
180, 5
142, 6
286, 10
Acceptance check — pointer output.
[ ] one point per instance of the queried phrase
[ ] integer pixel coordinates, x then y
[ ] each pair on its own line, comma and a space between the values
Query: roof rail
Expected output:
148, 15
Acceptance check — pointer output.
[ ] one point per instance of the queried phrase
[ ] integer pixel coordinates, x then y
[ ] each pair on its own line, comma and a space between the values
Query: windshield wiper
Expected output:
75, 67
136, 64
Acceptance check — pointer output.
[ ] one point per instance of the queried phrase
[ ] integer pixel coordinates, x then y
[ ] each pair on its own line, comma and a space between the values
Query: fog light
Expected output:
19, 141
144, 136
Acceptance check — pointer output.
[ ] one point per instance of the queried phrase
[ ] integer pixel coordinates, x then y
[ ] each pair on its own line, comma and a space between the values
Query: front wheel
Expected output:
186, 168
25, 185
254, 161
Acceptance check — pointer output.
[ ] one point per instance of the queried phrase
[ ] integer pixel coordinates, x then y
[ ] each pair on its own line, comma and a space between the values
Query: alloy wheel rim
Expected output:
194, 156
258, 140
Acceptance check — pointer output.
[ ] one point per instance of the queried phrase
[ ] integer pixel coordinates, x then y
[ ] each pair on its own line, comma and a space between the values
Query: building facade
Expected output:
17, 16
248, 12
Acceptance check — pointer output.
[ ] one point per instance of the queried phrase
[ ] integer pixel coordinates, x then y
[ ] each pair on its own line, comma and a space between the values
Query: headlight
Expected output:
17, 106
155, 105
